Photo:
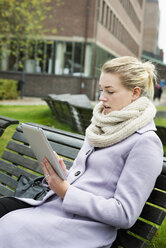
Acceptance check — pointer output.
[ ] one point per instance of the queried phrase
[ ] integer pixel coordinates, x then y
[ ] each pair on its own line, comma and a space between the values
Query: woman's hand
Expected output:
62, 164
58, 185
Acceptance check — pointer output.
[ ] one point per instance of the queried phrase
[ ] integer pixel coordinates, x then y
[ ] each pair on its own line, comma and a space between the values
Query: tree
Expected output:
22, 22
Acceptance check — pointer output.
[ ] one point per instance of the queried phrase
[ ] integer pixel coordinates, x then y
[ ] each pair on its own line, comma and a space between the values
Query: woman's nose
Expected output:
102, 97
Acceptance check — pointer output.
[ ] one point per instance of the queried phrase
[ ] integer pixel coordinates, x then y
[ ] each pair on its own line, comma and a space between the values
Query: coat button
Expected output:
77, 173
87, 152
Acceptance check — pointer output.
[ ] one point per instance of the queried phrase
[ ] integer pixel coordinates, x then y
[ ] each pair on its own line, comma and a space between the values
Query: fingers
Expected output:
56, 155
60, 160
55, 183
48, 168
62, 164
46, 171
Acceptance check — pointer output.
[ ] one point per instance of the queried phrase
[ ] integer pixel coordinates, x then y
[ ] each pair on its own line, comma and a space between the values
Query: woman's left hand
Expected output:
58, 185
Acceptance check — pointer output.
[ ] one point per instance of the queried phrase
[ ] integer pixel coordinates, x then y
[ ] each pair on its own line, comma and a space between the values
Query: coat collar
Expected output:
149, 127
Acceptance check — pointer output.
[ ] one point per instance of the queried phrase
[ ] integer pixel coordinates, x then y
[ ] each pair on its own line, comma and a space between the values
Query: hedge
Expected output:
8, 89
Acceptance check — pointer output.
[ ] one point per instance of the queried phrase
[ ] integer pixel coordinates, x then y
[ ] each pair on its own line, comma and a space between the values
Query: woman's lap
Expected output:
8, 204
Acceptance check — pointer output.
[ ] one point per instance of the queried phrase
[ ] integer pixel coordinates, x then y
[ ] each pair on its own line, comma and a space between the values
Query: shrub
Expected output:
8, 89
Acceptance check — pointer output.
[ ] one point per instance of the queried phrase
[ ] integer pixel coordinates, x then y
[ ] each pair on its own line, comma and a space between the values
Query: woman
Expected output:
103, 191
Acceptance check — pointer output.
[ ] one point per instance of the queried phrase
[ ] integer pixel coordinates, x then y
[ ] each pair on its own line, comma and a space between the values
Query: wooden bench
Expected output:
83, 117
76, 116
5, 122
18, 159
62, 111
161, 132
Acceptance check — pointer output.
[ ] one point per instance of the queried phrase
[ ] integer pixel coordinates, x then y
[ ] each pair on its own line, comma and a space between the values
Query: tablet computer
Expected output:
41, 147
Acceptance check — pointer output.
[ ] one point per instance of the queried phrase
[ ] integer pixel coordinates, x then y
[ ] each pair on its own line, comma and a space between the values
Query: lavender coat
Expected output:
109, 193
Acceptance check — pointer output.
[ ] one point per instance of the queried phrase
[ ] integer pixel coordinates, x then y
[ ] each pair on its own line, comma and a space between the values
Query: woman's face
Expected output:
113, 94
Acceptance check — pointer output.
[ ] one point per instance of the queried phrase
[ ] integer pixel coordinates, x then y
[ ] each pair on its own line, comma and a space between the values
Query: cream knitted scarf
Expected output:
106, 130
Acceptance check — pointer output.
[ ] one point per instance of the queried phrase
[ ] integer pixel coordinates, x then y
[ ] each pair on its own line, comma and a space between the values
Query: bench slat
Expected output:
76, 136
158, 198
20, 148
5, 191
26, 150
126, 240
22, 161
6, 121
143, 229
153, 214
15, 170
65, 151
161, 182
8, 180
20, 137
58, 138
70, 141
1, 131
4, 124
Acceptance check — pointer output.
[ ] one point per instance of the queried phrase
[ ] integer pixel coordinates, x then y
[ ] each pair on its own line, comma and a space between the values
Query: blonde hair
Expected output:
133, 73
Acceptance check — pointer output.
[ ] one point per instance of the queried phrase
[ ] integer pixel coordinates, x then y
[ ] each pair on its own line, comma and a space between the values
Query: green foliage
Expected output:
21, 18
8, 89
22, 21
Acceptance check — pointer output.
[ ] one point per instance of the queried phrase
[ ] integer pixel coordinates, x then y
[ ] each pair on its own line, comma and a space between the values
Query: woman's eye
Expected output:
110, 92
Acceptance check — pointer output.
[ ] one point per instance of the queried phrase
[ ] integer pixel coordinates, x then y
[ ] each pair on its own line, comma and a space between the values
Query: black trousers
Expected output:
8, 204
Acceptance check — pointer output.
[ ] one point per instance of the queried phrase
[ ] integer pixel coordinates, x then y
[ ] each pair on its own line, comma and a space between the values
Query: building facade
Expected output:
151, 51
151, 29
89, 32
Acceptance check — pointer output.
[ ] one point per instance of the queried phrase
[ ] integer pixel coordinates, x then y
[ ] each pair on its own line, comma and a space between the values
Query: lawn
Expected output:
159, 241
41, 114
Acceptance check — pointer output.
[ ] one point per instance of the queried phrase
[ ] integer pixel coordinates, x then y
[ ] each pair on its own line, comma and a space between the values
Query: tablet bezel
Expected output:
41, 147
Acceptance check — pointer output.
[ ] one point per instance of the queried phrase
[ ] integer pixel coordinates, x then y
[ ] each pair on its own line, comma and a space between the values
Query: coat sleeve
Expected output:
133, 188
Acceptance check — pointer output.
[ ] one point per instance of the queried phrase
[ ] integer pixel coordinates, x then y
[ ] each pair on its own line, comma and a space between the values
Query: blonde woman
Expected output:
111, 178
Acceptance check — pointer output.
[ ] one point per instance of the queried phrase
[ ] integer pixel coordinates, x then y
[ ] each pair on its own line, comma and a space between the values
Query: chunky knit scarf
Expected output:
108, 129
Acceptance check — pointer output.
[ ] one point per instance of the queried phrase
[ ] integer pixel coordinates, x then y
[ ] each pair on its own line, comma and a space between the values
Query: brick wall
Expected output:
37, 85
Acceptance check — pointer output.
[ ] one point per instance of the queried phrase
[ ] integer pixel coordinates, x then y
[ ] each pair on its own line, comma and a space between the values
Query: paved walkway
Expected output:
39, 101
162, 102
24, 101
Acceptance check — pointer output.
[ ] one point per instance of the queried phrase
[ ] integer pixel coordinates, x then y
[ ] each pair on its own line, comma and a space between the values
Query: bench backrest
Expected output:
84, 116
161, 132
5, 122
76, 116
62, 111
18, 159
152, 215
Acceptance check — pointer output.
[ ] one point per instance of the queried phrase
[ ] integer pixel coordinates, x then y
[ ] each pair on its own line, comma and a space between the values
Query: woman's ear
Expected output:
136, 93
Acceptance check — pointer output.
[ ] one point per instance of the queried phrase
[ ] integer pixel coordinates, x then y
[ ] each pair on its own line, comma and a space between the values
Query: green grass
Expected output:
40, 114
161, 108
37, 113
159, 240
160, 122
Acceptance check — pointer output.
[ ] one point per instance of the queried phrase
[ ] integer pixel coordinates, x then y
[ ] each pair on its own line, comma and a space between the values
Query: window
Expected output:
110, 21
68, 59
131, 12
103, 13
43, 56
107, 15
12, 61
49, 57
78, 49
73, 58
